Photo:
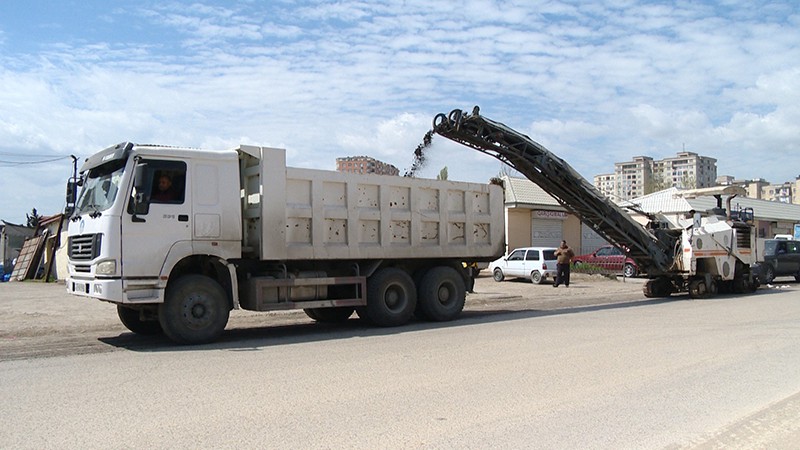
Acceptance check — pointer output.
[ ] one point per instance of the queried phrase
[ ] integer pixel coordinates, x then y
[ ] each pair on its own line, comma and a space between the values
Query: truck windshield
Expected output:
100, 187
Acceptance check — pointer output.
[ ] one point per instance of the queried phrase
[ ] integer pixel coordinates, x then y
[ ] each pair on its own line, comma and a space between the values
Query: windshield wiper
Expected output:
95, 212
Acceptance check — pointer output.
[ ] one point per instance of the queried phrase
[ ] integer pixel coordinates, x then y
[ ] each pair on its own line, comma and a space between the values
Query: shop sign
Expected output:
544, 214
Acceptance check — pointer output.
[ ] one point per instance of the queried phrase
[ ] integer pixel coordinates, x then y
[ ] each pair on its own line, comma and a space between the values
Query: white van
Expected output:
535, 263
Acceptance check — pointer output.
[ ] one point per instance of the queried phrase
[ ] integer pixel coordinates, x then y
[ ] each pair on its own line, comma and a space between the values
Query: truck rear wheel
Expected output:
132, 320
391, 298
330, 315
195, 310
441, 294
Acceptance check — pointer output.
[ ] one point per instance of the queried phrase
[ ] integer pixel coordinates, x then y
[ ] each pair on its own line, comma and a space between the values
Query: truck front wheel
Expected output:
391, 298
132, 320
195, 310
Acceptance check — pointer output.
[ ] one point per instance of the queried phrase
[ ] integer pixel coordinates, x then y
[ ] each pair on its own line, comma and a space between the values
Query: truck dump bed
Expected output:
306, 214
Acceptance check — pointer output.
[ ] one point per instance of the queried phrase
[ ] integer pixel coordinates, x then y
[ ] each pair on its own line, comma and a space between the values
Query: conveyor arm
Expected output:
653, 255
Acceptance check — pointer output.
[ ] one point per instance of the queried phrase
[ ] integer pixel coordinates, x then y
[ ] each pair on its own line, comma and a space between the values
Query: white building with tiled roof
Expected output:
535, 219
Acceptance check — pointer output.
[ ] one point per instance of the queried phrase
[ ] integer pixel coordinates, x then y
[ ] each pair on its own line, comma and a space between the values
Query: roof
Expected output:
666, 202
524, 191
521, 191
47, 220
11, 229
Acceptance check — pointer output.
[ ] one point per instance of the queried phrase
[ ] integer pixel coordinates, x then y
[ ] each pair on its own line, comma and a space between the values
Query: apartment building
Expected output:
686, 170
787, 192
643, 175
365, 164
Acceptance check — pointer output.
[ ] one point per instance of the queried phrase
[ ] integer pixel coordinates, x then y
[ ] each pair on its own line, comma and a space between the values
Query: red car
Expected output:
610, 259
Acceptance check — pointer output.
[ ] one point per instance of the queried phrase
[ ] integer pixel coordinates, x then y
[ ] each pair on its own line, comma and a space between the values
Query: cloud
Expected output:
595, 84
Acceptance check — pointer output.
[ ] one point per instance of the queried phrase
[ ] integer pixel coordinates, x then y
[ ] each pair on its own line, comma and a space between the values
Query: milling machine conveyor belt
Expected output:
654, 255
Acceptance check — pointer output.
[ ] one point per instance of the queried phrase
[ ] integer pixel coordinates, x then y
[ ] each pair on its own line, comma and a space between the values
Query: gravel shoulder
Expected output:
42, 320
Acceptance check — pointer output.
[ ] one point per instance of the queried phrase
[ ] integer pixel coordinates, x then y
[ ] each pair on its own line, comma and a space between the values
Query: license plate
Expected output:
80, 287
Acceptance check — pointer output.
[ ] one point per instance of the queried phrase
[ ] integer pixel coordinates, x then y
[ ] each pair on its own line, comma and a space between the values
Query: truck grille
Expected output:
83, 269
84, 247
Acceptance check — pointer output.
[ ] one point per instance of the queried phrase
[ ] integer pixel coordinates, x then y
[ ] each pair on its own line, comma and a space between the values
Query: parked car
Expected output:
781, 258
534, 263
610, 259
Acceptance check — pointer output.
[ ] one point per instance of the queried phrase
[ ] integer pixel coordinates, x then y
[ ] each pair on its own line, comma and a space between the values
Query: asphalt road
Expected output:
539, 369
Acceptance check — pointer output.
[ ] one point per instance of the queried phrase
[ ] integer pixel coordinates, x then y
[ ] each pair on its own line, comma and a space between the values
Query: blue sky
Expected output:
595, 82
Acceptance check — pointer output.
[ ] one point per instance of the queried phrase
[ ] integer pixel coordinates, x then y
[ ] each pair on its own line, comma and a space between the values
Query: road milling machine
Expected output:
702, 254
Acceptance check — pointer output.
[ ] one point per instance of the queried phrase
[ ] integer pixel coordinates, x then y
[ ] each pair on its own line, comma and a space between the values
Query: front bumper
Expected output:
116, 290
109, 290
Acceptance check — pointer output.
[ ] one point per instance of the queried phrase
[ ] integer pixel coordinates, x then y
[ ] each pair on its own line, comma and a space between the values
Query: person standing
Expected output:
564, 256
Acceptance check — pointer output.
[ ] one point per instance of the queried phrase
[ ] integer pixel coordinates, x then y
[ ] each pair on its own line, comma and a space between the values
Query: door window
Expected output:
169, 182
516, 255
166, 181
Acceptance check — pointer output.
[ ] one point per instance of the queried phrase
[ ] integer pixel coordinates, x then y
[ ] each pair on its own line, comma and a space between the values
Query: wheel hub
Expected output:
444, 294
198, 311
392, 298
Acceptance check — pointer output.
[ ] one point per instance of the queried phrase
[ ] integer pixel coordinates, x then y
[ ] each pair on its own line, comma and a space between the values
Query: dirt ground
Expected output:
38, 319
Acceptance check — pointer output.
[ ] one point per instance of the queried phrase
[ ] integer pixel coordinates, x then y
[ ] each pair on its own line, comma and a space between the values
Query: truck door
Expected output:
147, 238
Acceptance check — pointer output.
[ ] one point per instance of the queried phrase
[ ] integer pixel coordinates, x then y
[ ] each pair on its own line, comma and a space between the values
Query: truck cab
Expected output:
137, 217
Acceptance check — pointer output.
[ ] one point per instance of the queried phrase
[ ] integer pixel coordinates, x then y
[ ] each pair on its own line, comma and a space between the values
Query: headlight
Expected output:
106, 268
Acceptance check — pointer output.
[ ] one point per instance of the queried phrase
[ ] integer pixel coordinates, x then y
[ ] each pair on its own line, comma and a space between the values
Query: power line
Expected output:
29, 155
21, 163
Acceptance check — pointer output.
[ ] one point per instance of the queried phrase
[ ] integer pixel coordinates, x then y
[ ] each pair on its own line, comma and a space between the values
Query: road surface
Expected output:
717, 373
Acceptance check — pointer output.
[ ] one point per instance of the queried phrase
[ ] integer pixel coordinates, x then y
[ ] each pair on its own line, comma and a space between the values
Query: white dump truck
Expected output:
178, 237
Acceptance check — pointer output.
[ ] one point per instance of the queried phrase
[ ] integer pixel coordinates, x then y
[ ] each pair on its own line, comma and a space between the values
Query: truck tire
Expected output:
132, 321
391, 298
441, 294
195, 310
498, 275
330, 315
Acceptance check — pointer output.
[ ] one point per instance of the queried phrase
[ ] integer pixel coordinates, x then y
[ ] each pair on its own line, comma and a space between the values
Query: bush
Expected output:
588, 268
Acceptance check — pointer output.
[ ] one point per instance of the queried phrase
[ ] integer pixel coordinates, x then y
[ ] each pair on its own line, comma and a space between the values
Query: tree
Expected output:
688, 181
33, 218
442, 174
657, 183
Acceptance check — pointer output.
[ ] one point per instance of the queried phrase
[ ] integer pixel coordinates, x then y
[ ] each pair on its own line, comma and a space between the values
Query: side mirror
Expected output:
72, 191
141, 197
72, 196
